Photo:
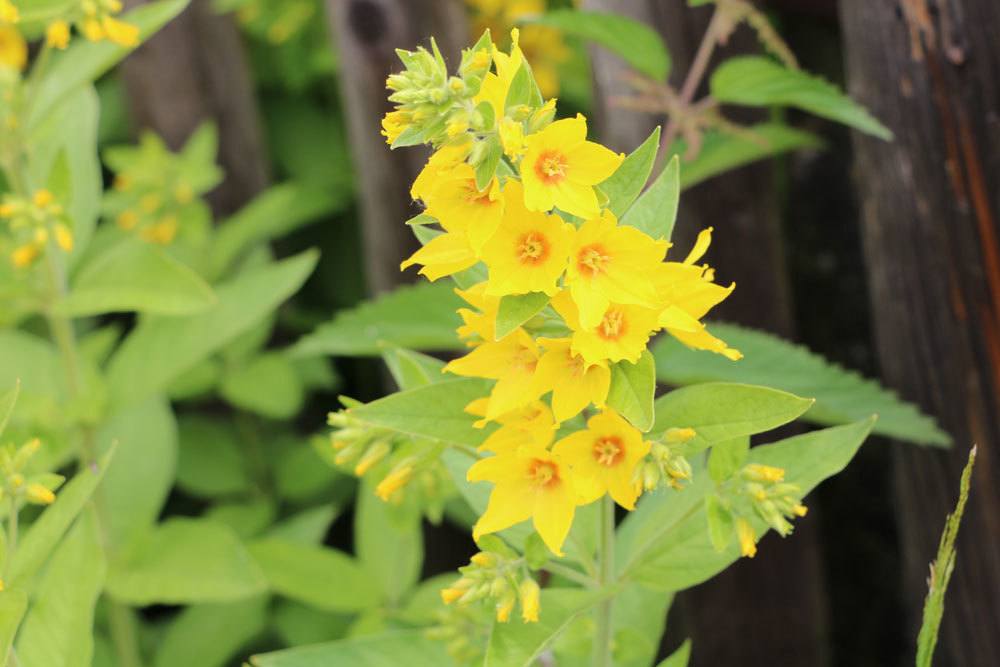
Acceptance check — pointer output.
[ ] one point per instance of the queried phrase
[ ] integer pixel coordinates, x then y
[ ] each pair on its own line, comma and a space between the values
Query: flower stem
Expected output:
603, 634
122, 624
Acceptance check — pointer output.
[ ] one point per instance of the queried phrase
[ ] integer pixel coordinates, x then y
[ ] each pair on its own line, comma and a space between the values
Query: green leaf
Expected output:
12, 607
186, 561
727, 457
268, 386
720, 151
306, 527
247, 519
623, 186
719, 411
760, 81
135, 276
137, 485
842, 396
941, 571
638, 617
86, 61
160, 349
321, 577
421, 316
210, 462
678, 658
435, 411
277, 211
35, 548
518, 644
536, 554
209, 635
391, 649
655, 211
58, 629
490, 160
7, 402
636, 43
631, 391
664, 544
412, 369
388, 540
521, 91
298, 624
720, 522
517, 309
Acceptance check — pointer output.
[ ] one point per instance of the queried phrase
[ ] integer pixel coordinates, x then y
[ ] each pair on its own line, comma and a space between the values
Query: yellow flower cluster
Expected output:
32, 223
36, 489
540, 225
771, 498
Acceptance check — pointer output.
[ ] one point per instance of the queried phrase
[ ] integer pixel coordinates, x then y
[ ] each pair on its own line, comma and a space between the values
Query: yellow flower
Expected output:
748, 538
38, 494
127, 220
456, 202
528, 484
529, 250
120, 32
393, 125
57, 35
621, 334
574, 383
560, 168
511, 362
92, 30
162, 232
478, 326
530, 426
688, 293
8, 12
444, 255
13, 49
394, 481
495, 87
441, 162
64, 238
611, 263
24, 255
603, 458
512, 138
529, 593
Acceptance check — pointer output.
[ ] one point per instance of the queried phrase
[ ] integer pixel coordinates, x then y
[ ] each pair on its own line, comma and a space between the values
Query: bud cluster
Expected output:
464, 630
499, 576
771, 498
666, 463
32, 223
36, 489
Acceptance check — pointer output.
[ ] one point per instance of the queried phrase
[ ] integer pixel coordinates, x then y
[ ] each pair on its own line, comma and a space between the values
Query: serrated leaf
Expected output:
760, 81
380, 650
420, 316
321, 577
664, 543
631, 391
842, 396
623, 186
160, 349
720, 411
517, 309
186, 561
655, 211
727, 457
135, 276
720, 522
721, 152
636, 43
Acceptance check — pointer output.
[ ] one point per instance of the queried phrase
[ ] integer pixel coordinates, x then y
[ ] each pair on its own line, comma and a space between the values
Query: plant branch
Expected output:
603, 634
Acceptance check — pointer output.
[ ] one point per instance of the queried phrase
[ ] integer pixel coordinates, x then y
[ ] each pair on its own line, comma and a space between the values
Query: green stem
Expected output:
603, 634
122, 621
11, 534
569, 573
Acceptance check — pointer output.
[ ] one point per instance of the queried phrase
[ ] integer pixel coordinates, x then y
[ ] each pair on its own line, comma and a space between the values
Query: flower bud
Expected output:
530, 596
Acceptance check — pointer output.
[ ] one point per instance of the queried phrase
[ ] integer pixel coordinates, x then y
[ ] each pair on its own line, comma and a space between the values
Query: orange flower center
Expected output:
592, 260
613, 326
550, 167
574, 364
532, 248
474, 196
608, 450
544, 474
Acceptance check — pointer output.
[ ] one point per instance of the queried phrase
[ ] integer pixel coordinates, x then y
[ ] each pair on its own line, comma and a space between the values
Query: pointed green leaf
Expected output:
7, 401
12, 607
720, 522
631, 391
761, 81
388, 540
391, 649
727, 457
655, 211
209, 635
267, 385
623, 186
487, 167
412, 369
515, 310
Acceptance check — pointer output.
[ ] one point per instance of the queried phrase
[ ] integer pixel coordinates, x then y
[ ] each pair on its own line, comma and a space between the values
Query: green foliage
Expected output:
389, 543
941, 570
760, 81
623, 186
267, 385
518, 644
655, 211
207, 635
12, 607
209, 462
422, 316
841, 396
380, 650
515, 310
631, 390
723, 151
636, 43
